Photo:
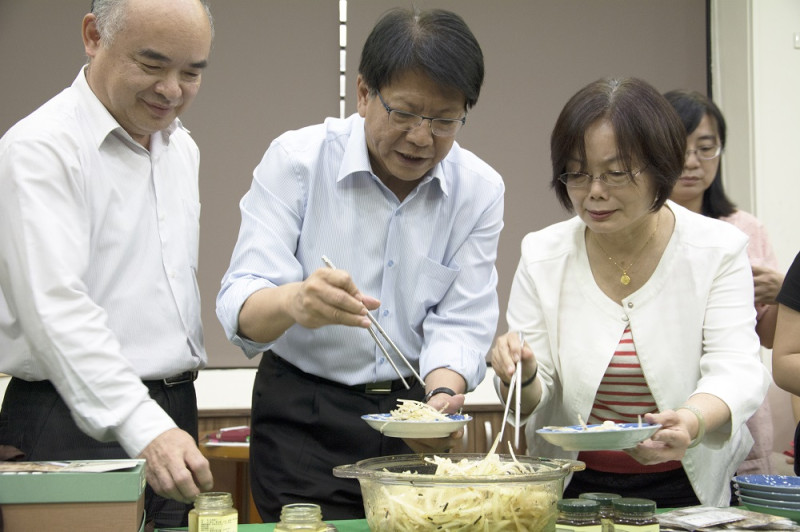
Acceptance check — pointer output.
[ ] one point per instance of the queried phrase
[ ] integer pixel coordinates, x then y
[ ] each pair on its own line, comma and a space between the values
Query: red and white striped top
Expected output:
622, 397
623, 394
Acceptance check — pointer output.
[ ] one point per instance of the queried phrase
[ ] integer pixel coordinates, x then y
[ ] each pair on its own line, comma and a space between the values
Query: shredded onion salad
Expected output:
410, 410
607, 425
489, 507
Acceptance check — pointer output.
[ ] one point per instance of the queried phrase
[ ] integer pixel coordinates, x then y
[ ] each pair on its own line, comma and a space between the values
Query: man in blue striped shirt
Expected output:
411, 220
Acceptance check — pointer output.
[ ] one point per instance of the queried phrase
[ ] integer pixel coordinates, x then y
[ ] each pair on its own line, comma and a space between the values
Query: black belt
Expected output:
373, 388
180, 378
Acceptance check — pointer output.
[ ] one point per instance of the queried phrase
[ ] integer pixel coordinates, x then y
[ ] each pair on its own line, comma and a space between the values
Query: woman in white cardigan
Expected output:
636, 306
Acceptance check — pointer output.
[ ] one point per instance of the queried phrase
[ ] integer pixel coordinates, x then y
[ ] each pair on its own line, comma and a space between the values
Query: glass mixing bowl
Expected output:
403, 493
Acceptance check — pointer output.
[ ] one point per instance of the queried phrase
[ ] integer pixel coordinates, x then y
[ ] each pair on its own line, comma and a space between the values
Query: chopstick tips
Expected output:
377, 325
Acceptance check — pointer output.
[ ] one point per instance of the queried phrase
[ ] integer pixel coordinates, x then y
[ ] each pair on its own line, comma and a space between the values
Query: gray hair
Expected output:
111, 17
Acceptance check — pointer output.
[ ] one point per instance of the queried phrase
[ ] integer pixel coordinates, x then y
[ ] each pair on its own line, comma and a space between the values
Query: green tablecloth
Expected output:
355, 525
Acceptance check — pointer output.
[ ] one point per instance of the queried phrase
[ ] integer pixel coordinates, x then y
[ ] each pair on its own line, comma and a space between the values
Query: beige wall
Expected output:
275, 66
757, 79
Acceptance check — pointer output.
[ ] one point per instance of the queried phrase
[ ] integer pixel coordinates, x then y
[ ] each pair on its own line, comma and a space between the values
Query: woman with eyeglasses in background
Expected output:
700, 189
636, 307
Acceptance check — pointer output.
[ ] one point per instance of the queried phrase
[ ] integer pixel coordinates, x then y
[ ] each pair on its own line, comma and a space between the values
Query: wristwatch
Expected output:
442, 389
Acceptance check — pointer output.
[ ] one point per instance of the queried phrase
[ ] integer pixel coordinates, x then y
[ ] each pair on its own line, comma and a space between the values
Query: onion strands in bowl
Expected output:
465, 492
482, 505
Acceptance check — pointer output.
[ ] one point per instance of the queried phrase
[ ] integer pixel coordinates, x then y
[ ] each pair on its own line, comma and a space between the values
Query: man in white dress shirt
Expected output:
99, 212
411, 220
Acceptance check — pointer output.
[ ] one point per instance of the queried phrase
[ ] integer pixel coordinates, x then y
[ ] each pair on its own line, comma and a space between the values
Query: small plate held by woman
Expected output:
598, 437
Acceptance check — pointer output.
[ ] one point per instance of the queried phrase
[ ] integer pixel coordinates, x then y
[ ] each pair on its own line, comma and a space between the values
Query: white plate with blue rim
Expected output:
416, 429
598, 437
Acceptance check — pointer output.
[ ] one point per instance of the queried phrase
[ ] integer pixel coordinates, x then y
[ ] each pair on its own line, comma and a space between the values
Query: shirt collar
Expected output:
102, 123
356, 157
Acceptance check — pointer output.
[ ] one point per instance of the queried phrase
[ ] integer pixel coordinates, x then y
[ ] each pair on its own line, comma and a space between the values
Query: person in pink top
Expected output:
700, 189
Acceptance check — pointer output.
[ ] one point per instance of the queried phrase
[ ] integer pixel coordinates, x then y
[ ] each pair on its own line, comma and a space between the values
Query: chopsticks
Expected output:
377, 325
515, 388
518, 373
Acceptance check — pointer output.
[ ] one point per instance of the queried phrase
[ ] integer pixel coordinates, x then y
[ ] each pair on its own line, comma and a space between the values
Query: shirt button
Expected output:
630, 304
390, 263
385, 312
625, 318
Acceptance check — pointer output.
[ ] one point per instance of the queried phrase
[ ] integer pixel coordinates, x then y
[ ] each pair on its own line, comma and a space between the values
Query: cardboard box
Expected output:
70, 498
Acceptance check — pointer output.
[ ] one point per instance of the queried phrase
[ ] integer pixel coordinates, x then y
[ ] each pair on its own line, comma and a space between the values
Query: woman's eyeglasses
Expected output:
613, 178
705, 153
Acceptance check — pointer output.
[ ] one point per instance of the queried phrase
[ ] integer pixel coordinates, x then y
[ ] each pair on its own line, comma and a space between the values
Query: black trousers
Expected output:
670, 489
302, 427
797, 450
36, 420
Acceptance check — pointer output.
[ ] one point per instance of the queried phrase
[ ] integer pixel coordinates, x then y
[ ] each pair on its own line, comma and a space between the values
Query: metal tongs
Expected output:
377, 325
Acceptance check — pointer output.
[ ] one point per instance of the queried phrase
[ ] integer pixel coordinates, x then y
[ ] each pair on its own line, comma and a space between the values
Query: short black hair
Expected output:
647, 130
437, 43
691, 107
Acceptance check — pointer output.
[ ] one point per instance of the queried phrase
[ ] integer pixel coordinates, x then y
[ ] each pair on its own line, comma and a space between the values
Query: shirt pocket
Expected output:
431, 284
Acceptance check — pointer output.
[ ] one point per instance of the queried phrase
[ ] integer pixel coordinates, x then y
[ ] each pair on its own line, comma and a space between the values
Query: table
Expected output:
352, 525
355, 525
237, 457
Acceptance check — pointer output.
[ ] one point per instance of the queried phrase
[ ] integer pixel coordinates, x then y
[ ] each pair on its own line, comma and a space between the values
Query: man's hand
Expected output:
448, 405
176, 468
330, 297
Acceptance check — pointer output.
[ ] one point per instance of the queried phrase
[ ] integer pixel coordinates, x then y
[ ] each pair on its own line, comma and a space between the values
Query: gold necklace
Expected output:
625, 278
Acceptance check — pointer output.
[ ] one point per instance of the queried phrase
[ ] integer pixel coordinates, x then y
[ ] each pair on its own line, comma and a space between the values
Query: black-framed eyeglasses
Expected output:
613, 178
405, 121
706, 153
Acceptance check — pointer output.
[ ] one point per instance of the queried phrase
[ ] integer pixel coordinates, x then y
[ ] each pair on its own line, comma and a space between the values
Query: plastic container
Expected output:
578, 515
213, 512
635, 515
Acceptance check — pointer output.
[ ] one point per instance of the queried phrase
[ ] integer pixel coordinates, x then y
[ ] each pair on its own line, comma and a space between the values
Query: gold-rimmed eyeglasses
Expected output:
612, 178
405, 121
705, 153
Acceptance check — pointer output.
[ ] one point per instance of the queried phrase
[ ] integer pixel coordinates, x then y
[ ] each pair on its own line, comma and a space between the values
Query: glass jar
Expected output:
578, 514
606, 507
213, 512
301, 516
635, 515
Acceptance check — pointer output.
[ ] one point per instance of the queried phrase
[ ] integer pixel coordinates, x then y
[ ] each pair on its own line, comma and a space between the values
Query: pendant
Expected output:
625, 279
